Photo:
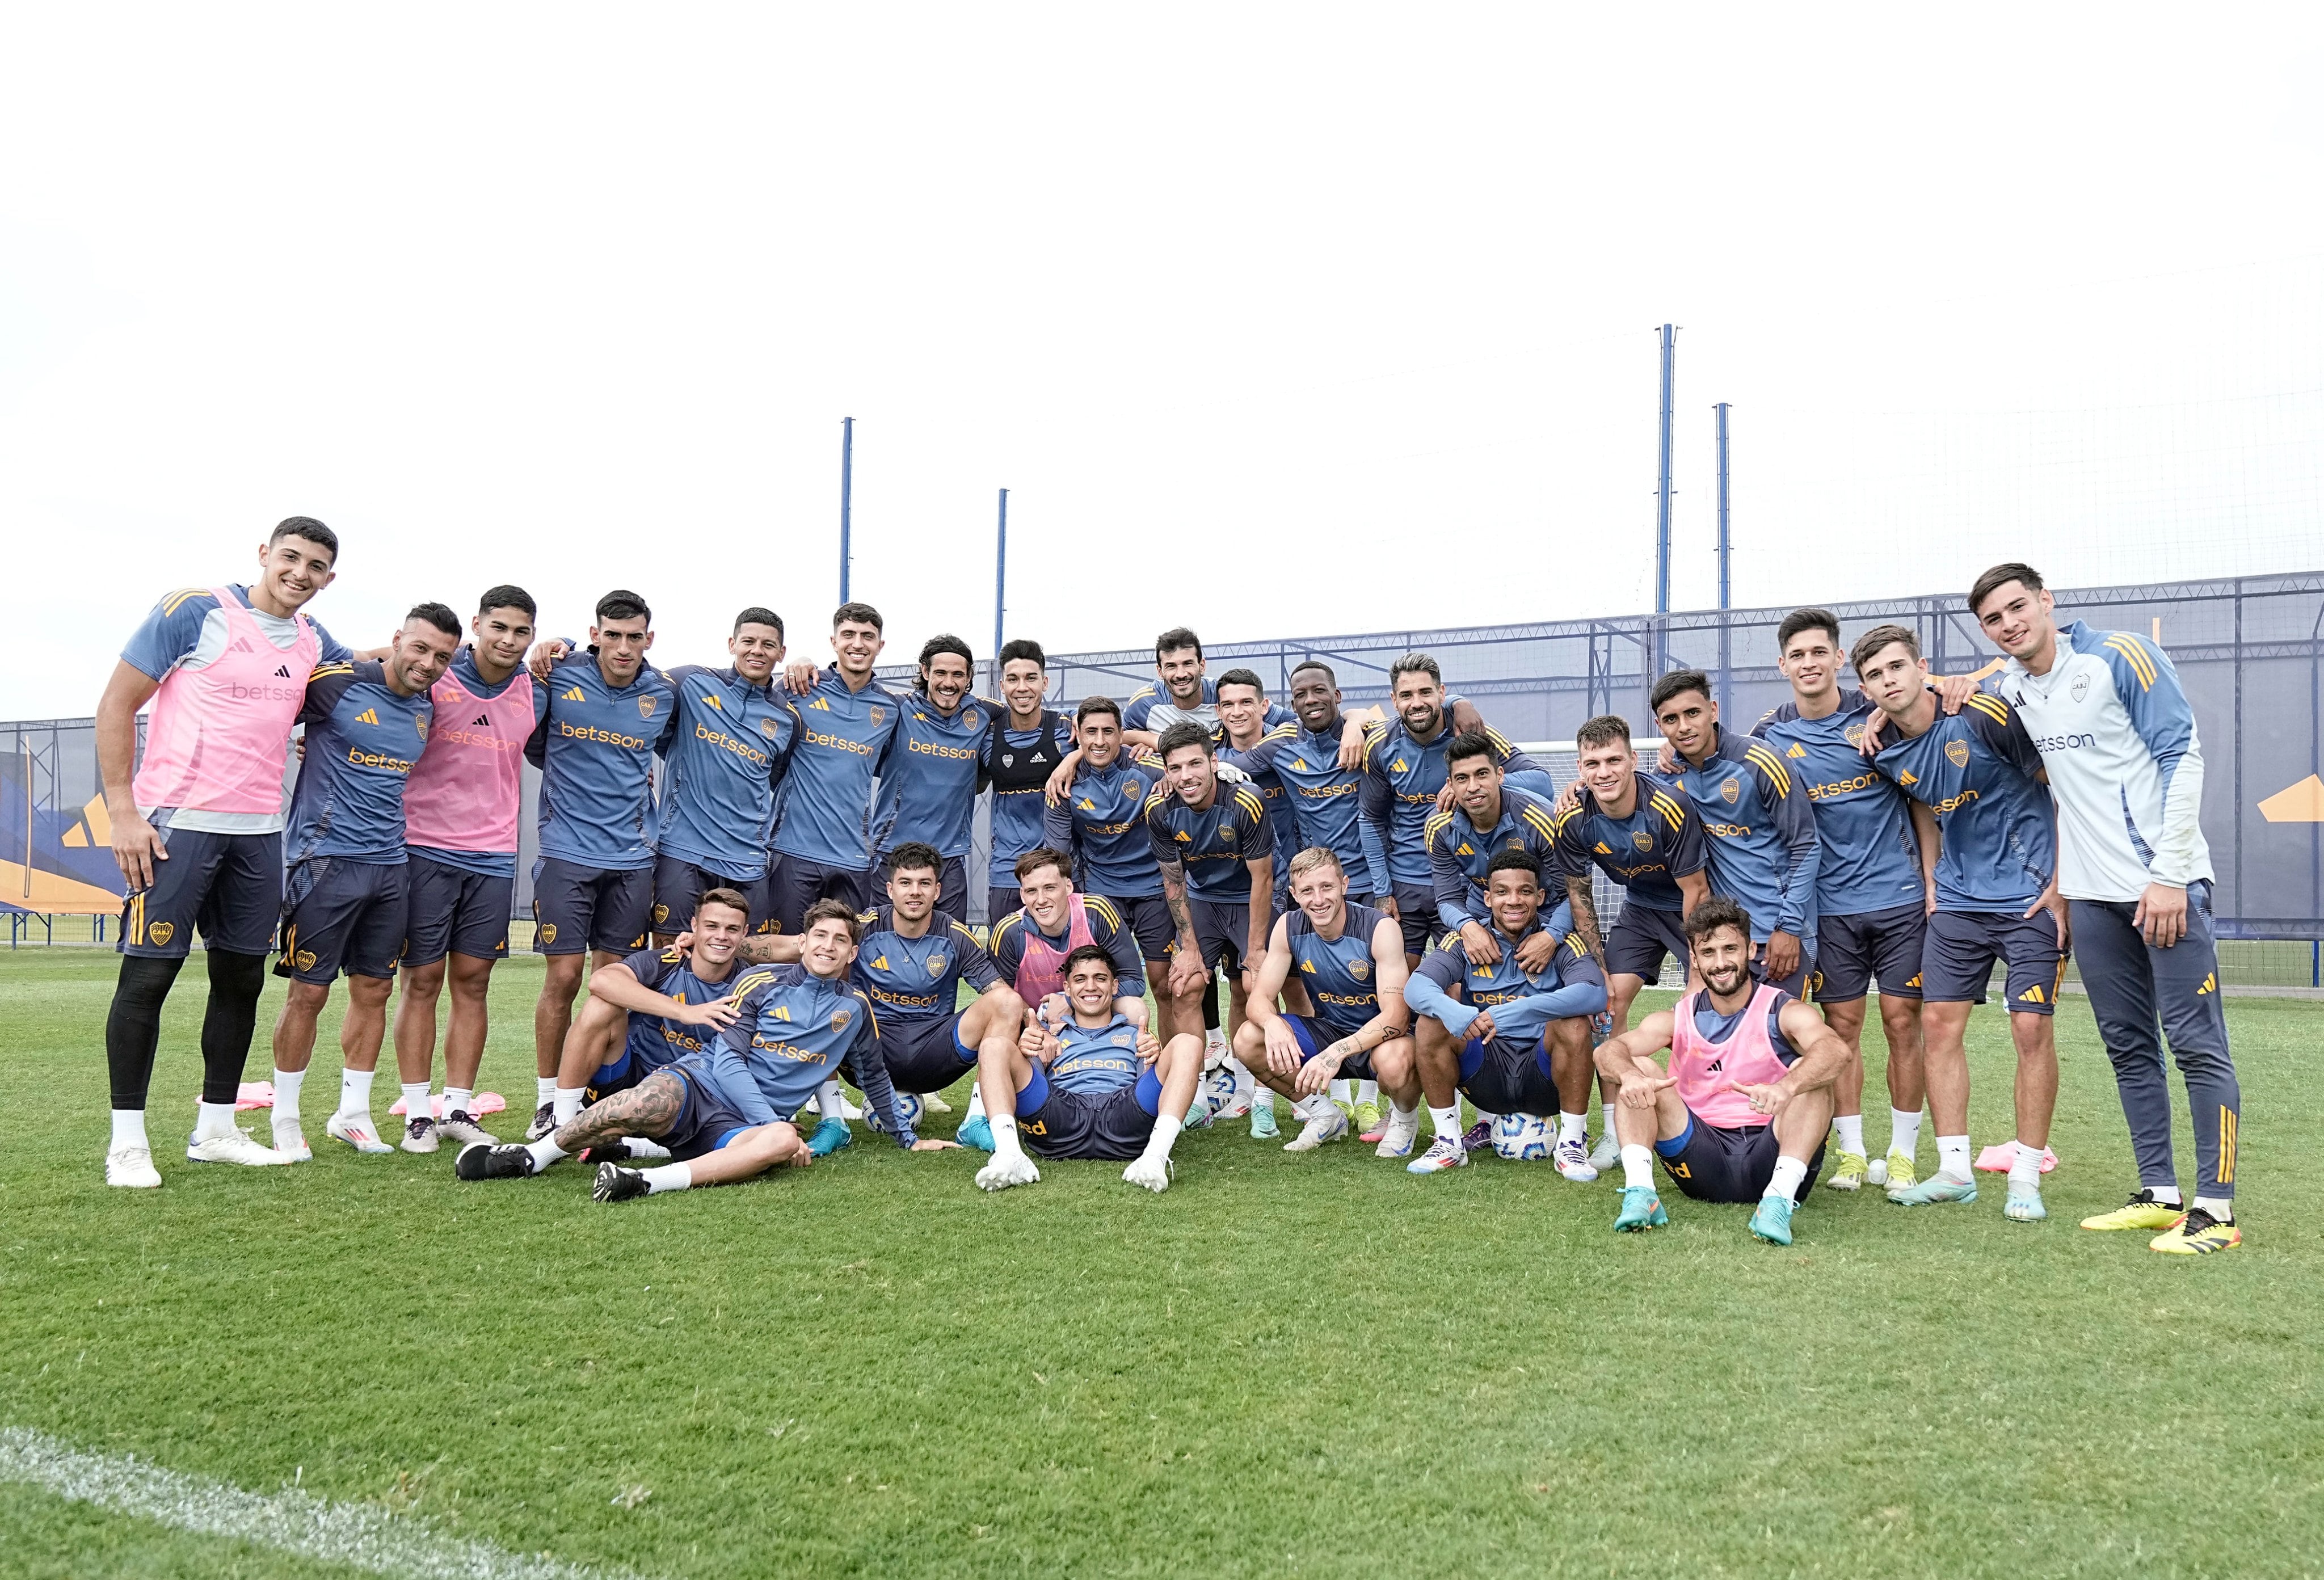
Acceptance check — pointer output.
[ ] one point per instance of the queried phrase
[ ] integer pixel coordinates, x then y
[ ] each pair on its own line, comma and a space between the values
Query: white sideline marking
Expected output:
290, 1521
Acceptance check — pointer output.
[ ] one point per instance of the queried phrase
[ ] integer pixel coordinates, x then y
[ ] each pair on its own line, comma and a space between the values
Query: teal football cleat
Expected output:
975, 1131
2025, 1207
829, 1136
1935, 1188
1262, 1122
1772, 1220
1641, 1209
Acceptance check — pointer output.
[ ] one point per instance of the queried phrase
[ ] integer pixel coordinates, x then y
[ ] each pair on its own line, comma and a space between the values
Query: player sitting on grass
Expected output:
1350, 959
1741, 1116
1516, 1041
1098, 1087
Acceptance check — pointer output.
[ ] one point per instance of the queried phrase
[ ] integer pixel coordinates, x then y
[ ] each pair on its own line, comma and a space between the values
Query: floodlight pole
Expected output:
1725, 633
846, 496
999, 586
1663, 506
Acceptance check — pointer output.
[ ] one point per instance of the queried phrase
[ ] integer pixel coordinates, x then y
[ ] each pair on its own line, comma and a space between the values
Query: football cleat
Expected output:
1932, 1191
460, 1126
616, 1183
1402, 1130
1447, 1152
1607, 1155
1368, 1119
936, 1105
1149, 1174
975, 1131
482, 1161
1478, 1136
132, 1167
424, 1136
544, 1122
1849, 1173
1262, 1122
1902, 1176
1772, 1222
2142, 1211
1001, 1172
1642, 1209
357, 1133
2199, 1233
1572, 1160
236, 1148
830, 1135
1327, 1127
2025, 1207
293, 1145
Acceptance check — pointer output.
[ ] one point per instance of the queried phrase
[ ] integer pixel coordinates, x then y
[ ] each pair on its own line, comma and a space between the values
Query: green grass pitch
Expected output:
1306, 1365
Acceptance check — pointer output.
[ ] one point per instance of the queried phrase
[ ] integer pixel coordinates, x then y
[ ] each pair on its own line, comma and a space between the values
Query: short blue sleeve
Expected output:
170, 632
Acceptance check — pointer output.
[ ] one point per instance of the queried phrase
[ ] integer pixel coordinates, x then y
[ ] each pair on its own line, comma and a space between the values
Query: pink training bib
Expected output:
1705, 1071
464, 792
1042, 970
218, 737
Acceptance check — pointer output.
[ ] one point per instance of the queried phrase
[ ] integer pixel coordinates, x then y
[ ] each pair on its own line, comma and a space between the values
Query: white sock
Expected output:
975, 1102
644, 1146
416, 1105
1005, 1143
1403, 1116
1785, 1181
2165, 1195
1312, 1107
1637, 1167
1852, 1132
287, 1083
1164, 1137
2026, 1168
1485, 1118
830, 1101
544, 1089
670, 1177
459, 1100
1368, 1091
1447, 1121
213, 1120
129, 1129
354, 1093
545, 1152
2219, 1207
1953, 1156
1606, 1119
1262, 1099
1343, 1090
567, 1103
1904, 1131
1571, 1126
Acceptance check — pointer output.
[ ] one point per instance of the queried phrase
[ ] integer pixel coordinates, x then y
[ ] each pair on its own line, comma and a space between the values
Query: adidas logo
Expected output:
1307, 966
1908, 777
713, 702
242, 645
1397, 766
1464, 849
1087, 804
1039, 757
1716, 1066
368, 716
1184, 837
2033, 994
2210, 982
1300, 763
282, 672
782, 1012
1604, 849
482, 719
880, 964
1797, 750
573, 696
821, 704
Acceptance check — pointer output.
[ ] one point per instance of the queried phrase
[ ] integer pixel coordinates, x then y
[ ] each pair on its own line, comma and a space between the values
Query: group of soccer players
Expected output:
760, 871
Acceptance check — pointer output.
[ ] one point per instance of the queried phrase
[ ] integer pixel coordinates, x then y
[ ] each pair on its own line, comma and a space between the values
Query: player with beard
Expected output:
927, 795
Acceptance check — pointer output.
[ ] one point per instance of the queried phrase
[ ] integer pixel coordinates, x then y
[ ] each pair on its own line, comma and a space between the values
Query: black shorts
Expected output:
1415, 909
952, 886
1956, 958
1712, 1164
1221, 932
925, 1055
1314, 1036
1852, 953
449, 909
999, 902
1149, 917
1507, 1076
577, 908
1114, 1124
1641, 938
678, 886
1796, 984
796, 883
229, 887
704, 1123
339, 916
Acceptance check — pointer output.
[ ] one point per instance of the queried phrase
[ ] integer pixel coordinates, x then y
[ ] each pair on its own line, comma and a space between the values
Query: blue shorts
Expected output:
228, 885
1415, 909
577, 908
952, 886
925, 1055
678, 885
1149, 917
449, 909
1314, 1036
704, 1123
1854, 951
1507, 1076
1114, 1124
1796, 984
1957, 959
1641, 938
795, 883
999, 902
339, 916
1712, 1164
1222, 929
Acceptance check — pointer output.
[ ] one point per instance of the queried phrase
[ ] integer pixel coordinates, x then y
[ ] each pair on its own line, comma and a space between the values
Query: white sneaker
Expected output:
1001, 1172
131, 1166
1214, 1050
1402, 1130
292, 1145
1606, 1153
357, 1133
236, 1148
934, 1104
422, 1134
1329, 1125
1153, 1174
1572, 1160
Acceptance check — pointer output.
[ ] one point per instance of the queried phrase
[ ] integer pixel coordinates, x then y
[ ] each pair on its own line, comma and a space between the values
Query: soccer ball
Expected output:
1225, 1093
908, 1109
1522, 1138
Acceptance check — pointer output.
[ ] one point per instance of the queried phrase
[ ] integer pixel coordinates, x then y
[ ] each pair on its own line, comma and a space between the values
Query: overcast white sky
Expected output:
1273, 321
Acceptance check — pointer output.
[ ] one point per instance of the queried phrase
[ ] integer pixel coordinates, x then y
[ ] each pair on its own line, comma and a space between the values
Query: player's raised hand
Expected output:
1061, 778
799, 676
1568, 799
1640, 1091
1149, 1046
1767, 1098
545, 654
1282, 1049
1478, 942
1535, 954
136, 846
1352, 743
1482, 1029
718, 1011
1036, 1043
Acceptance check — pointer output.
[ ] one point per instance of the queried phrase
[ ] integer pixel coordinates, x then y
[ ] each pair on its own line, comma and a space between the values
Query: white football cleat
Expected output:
357, 1133
1000, 1173
1331, 1124
1402, 1130
293, 1146
1153, 1174
236, 1148
132, 1167
1607, 1154
1573, 1159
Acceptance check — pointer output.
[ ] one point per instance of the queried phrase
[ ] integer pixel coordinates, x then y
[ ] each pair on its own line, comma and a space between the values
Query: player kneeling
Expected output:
1096, 1087
1741, 1116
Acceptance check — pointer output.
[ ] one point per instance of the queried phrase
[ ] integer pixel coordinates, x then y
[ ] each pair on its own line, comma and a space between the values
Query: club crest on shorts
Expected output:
646, 706
549, 932
1957, 752
662, 912
306, 959
1732, 790
162, 932
1643, 840
1360, 969
840, 1017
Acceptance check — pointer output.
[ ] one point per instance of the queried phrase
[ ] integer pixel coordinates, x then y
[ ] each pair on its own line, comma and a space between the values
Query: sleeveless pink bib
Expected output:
218, 737
463, 791
1042, 970
1704, 1069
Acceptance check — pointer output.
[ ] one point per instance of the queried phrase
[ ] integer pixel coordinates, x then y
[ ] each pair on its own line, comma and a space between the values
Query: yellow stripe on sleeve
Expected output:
2140, 665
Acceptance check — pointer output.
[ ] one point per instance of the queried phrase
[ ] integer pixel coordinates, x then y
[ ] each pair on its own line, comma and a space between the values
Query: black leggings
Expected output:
132, 1029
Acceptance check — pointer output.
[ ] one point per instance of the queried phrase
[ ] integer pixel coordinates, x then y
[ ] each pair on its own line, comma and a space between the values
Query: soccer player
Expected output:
1324, 795
847, 731
1350, 959
1488, 817
1216, 854
1242, 708
927, 795
1023, 747
1763, 837
1096, 1087
1100, 825
1978, 775
198, 832
1185, 695
910, 964
461, 804
1742, 1114
1873, 891
344, 893
2115, 731
1514, 1040
726, 758
610, 714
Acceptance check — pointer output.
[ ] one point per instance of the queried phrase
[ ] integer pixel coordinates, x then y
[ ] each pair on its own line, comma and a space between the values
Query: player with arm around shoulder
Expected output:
1741, 1113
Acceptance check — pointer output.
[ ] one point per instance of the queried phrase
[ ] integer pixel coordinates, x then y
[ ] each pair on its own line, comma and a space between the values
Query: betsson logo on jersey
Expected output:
2063, 742
937, 750
239, 693
596, 735
840, 743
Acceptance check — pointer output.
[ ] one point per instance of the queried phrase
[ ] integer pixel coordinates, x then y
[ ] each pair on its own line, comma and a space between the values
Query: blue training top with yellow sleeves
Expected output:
1459, 854
1212, 843
1102, 825
792, 1030
654, 1041
845, 740
1979, 772
1325, 799
1092, 1060
919, 979
361, 740
1763, 843
1869, 858
927, 792
1340, 974
1275, 792
1401, 776
1646, 852
726, 758
1451, 988
595, 748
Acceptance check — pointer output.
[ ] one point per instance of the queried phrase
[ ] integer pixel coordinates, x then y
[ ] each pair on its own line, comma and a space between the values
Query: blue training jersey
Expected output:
733, 742
1152, 709
361, 740
845, 740
1325, 799
1451, 989
927, 792
1341, 974
1401, 779
1646, 852
1102, 825
1212, 843
654, 1041
1763, 837
1458, 852
919, 979
1276, 796
1869, 860
186, 627
790, 1033
595, 748
1107, 930
1092, 1060
1977, 770
463, 669
1019, 762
